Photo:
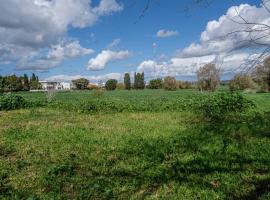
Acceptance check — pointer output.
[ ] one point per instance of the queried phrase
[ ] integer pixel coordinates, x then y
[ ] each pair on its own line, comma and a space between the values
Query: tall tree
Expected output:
34, 83
135, 85
26, 85
139, 80
127, 81
208, 77
261, 75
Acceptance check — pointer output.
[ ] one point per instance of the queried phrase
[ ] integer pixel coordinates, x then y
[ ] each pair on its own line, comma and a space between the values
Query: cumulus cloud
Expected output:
188, 66
106, 56
107, 7
34, 25
166, 33
54, 56
230, 32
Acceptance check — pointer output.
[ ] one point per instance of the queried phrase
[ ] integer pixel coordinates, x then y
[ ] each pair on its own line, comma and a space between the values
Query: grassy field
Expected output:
137, 152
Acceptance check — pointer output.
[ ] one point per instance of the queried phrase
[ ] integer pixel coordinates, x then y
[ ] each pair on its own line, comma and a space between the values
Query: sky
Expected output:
102, 39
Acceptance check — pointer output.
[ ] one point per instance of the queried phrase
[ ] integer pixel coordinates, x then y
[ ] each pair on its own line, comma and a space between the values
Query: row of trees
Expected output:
209, 79
139, 82
19, 83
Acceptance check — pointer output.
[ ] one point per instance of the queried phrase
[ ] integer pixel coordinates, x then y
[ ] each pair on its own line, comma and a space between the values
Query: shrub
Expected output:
120, 86
218, 106
208, 77
11, 102
155, 84
170, 83
81, 83
111, 84
241, 82
184, 85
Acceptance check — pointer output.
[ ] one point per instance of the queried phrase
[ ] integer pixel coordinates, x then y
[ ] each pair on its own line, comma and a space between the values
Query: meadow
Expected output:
138, 144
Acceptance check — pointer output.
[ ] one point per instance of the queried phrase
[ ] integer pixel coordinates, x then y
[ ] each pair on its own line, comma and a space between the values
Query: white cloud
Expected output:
114, 43
106, 56
107, 7
229, 32
166, 33
31, 26
188, 66
54, 56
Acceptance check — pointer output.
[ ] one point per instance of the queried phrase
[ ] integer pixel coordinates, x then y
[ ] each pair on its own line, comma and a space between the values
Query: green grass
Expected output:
48, 153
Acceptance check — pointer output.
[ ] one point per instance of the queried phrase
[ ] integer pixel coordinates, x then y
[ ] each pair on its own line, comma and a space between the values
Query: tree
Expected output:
111, 84
81, 83
184, 85
1, 84
34, 82
139, 81
261, 75
12, 83
208, 77
135, 85
155, 83
241, 82
170, 83
127, 81
26, 85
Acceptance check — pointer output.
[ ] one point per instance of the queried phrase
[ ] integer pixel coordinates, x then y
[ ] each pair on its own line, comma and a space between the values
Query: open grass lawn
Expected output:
50, 153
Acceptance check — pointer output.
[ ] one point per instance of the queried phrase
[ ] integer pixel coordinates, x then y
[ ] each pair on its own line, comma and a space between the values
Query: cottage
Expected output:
55, 85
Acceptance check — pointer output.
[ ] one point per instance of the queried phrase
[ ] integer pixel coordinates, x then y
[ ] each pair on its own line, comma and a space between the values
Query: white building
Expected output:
55, 85
66, 85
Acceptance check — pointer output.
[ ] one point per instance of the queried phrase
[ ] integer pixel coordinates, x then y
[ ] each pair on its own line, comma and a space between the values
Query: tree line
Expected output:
15, 83
208, 79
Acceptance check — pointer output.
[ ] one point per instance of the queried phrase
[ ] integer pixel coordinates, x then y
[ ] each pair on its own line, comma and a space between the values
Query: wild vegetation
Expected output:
138, 144
170, 141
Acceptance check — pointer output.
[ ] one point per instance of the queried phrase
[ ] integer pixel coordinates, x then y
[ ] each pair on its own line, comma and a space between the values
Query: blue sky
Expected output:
102, 39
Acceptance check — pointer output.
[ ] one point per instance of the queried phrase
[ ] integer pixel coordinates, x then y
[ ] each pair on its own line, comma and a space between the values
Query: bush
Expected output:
184, 85
155, 84
218, 106
241, 82
81, 83
12, 102
111, 84
170, 83
120, 86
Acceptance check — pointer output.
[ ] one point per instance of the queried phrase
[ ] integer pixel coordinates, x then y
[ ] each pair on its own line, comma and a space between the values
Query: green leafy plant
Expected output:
11, 102
155, 84
218, 106
111, 84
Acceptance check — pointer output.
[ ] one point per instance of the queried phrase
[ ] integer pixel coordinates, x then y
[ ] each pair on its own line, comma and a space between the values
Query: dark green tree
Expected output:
81, 83
111, 84
26, 84
2, 84
155, 83
135, 85
139, 81
127, 81
34, 82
